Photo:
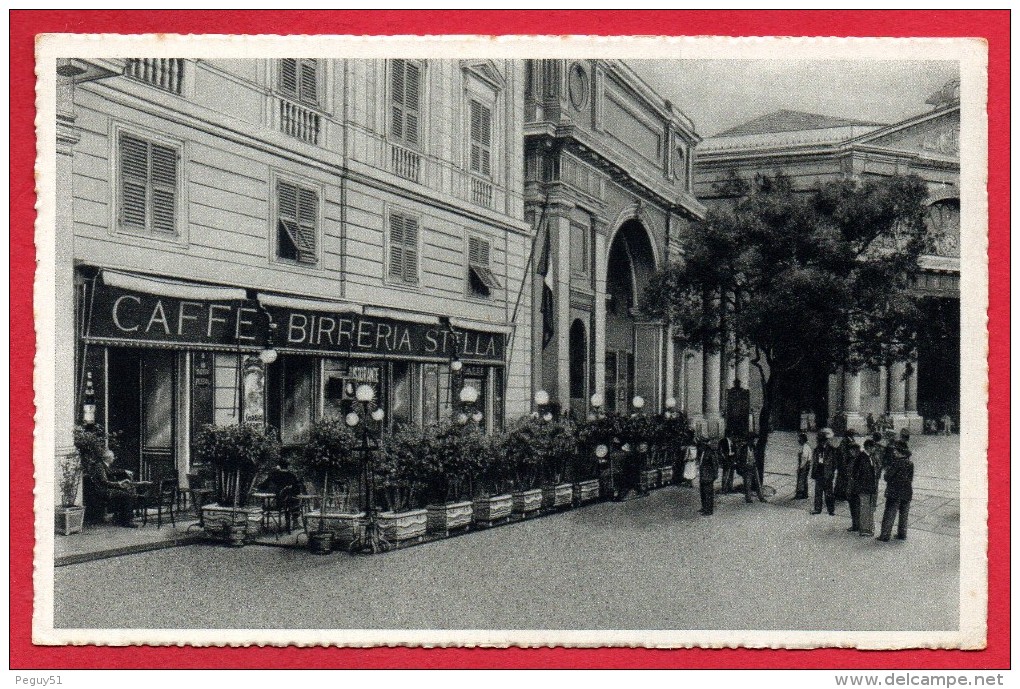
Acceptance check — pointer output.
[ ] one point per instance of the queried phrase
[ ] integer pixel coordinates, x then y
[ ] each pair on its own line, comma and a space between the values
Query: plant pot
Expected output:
69, 520
235, 535
665, 476
586, 491
527, 503
649, 478
398, 527
492, 510
320, 542
345, 527
558, 496
244, 523
442, 519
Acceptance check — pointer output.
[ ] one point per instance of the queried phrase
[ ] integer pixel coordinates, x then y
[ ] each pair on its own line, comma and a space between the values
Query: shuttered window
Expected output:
481, 139
405, 101
297, 216
403, 245
299, 80
148, 185
481, 279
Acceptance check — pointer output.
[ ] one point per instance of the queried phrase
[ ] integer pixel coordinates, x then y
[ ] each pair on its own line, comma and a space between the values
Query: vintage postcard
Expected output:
521, 341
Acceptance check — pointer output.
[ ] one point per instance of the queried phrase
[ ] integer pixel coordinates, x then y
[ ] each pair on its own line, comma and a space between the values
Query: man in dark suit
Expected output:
899, 491
849, 451
287, 487
823, 470
114, 489
727, 461
708, 469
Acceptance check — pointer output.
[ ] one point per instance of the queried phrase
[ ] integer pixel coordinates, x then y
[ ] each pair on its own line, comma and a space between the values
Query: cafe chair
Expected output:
162, 498
283, 509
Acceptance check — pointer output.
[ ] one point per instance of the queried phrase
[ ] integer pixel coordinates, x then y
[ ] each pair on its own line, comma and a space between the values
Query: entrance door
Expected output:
142, 392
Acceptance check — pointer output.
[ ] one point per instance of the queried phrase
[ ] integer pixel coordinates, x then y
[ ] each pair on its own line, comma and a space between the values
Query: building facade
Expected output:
362, 220
810, 149
608, 187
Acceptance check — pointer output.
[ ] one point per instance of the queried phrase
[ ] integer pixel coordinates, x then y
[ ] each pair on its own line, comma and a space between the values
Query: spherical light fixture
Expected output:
601, 451
462, 418
626, 447
638, 402
378, 414
547, 416
534, 414
469, 394
364, 393
456, 365
267, 356
643, 447
541, 398
477, 417
670, 403
352, 419
597, 400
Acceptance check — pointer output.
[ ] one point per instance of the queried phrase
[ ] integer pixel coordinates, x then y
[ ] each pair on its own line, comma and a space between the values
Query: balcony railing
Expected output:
405, 163
163, 73
481, 192
300, 122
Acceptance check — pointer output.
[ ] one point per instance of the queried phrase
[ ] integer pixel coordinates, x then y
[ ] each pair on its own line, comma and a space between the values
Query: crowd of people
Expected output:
850, 471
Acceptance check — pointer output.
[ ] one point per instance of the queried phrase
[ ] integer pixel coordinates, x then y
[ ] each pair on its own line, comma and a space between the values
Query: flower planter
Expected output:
492, 510
665, 476
345, 527
527, 503
232, 525
586, 491
320, 542
649, 479
442, 519
558, 496
399, 527
69, 520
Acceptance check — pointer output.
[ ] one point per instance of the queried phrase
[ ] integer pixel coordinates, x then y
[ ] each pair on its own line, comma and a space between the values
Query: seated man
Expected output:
114, 488
287, 486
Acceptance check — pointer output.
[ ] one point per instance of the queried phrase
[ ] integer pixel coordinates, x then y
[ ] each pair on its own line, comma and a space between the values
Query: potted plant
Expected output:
492, 483
595, 438
329, 460
91, 442
522, 449
237, 453
401, 476
448, 454
69, 515
557, 446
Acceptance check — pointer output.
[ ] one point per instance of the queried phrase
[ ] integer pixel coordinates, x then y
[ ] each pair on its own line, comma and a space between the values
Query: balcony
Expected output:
300, 122
163, 73
481, 192
405, 163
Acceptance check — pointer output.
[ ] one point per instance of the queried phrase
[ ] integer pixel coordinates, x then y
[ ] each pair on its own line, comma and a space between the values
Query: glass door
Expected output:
158, 378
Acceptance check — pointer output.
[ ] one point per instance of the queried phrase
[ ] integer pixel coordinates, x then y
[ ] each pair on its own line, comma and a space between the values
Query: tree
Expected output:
790, 278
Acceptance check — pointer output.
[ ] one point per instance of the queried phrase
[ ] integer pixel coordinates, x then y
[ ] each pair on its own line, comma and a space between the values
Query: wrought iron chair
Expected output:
163, 498
284, 509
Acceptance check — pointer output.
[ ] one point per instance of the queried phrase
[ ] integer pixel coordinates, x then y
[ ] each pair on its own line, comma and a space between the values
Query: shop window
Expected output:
299, 80
225, 394
405, 101
340, 380
481, 138
403, 248
403, 393
579, 249
430, 393
297, 217
481, 279
148, 185
296, 404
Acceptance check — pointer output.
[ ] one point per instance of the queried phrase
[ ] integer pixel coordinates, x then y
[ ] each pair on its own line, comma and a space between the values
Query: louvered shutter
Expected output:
412, 103
288, 245
134, 168
289, 77
308, 212
481, 138
410, 250
397, 246
163, 181
397, 97
309, 82
478, 252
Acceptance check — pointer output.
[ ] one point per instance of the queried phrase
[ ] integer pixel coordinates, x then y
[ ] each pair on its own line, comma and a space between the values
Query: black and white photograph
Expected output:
543, 341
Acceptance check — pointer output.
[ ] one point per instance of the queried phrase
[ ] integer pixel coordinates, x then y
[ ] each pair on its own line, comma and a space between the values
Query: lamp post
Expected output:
543, 407
369, 423
467, 411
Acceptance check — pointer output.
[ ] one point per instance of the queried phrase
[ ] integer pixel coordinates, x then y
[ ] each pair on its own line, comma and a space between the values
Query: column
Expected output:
913, 420
562, 238
668, 374
852, 402
897, 394
693, 403
648, 363
599, 335
711, 375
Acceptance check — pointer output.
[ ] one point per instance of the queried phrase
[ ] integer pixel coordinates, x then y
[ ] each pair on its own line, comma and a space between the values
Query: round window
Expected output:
578, 85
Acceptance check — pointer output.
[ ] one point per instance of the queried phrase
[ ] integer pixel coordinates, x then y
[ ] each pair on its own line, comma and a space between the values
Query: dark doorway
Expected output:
578, 369
142, 399
938, 361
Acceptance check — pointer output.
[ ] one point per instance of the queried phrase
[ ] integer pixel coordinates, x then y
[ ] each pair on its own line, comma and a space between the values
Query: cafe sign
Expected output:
125, 316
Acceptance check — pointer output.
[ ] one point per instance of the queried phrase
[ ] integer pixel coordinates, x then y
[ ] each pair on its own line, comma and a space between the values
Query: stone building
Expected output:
362, 220
608, 186
811, 148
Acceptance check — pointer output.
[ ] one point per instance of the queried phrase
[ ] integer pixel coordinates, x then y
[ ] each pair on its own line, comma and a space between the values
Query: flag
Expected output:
548, 310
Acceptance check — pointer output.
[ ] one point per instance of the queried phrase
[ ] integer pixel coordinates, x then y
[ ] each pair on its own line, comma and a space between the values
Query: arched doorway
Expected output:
578, 369
630, 264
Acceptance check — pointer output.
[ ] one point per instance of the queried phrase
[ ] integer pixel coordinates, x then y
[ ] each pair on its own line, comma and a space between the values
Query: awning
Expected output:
399, 315
300, 303
165, 287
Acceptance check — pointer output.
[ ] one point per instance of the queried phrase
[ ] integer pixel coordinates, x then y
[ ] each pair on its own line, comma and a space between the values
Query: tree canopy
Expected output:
821, 277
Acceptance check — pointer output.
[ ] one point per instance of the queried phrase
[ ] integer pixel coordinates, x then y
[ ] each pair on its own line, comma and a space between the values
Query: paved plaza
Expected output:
649, 563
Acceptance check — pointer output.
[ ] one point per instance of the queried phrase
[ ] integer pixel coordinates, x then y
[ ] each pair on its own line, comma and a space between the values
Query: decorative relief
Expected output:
578, 85
944, 139
944, 225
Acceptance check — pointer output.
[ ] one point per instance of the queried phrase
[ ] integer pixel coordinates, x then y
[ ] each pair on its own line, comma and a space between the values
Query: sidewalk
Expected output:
101, 541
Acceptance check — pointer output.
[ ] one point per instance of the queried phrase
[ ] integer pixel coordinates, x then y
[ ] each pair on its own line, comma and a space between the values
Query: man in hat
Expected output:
899, 491
708, 469
865, 481
848, 453
823, 469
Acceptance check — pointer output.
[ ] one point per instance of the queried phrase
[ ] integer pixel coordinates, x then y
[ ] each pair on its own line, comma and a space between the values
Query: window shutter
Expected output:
163, 179
134, 166
410, 250
481, 138
289, 77
308, 211
478, 252
397, 246
412, 102
309, 82
397, 97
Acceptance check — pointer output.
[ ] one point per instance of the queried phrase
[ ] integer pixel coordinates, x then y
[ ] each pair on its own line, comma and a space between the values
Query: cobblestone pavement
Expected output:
649, 563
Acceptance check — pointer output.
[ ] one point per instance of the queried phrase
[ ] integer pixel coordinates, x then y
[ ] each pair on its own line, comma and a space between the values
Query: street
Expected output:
649, 563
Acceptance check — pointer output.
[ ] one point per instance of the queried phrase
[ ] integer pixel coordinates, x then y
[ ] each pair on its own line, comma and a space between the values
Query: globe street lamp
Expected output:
468, 397
369, 423
542, 406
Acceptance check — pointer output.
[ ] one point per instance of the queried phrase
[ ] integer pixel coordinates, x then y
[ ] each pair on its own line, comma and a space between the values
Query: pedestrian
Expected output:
865, 479
708, 469
752, 479
823, 469
899, 491
690, 463
803, 467
727, 460
848, 452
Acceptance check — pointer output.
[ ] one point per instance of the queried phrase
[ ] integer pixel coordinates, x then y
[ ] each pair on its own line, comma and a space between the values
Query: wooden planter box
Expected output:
586, 491
442, 519
399, 527
649, 479
492, 510
346, 527
216, 519
69, 520
666, 476
558, 496
527, 503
